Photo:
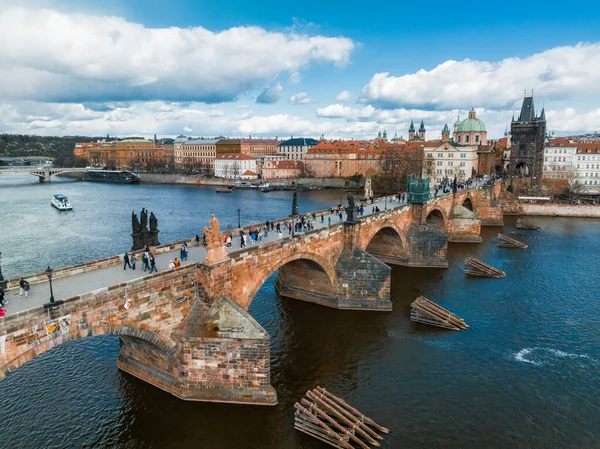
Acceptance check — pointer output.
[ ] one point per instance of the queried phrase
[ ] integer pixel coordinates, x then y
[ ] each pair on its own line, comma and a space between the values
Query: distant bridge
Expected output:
43, 173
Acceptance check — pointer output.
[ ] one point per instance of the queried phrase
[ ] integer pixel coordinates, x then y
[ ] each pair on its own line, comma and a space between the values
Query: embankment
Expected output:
560, 210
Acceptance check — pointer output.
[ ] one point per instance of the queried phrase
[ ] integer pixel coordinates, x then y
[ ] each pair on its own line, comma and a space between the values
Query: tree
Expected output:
395, 166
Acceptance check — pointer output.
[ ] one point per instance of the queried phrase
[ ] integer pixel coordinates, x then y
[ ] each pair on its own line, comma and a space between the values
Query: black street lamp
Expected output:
239, 223
49, 273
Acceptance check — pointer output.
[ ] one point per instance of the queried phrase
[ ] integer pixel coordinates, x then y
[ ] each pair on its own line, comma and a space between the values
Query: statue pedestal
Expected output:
138, 241
216, 255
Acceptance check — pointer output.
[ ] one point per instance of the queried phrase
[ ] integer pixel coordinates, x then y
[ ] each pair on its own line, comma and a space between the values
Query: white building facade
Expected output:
446, 161
295, 149
235, 166
558, 160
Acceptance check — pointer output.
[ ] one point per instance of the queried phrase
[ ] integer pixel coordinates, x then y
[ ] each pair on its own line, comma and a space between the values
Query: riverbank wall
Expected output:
159, 178
560, 210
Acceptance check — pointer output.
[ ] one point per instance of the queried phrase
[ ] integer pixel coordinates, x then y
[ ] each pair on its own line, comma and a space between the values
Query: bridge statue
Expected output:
215, 245
144, 219
153, 222
140, 234
135, 223
351, 210
295, 204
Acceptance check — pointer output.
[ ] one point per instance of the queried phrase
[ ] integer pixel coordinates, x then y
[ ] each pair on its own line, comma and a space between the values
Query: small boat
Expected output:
223, 190
264, 188
243, 185
61, 202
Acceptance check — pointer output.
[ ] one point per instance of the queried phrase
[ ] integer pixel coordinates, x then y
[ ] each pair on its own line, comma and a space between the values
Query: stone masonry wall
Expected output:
157, 305
363, 282
561, 210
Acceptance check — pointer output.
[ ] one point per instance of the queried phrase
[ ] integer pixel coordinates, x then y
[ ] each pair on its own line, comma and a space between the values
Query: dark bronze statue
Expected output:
351, 201
143, 237
135, 223
153, 222
144, 219
295, 204
351, 210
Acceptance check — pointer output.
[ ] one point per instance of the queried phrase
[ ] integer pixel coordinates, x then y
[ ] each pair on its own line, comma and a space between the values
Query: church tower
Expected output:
528, 134
422, 131
411, 131
446, 133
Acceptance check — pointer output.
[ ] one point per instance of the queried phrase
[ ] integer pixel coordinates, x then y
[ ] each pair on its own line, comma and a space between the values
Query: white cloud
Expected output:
301, 98
556, 73
270, 94
46, 55
343, 95
335, 111
294, 78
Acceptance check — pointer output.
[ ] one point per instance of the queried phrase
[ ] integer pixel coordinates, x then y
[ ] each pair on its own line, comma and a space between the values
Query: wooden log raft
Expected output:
476, 267
505, 241
422, 310
331, 420
522, 224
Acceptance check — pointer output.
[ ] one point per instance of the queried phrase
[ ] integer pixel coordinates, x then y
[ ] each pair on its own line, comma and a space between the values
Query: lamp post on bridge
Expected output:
52, 305
49, 273
239, 222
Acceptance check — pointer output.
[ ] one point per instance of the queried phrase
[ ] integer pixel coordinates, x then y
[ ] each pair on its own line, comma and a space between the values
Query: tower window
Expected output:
476, 138
467, 139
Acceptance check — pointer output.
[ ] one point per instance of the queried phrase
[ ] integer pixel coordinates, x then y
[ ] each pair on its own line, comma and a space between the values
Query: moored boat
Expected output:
112, 176
61, 202
223, 190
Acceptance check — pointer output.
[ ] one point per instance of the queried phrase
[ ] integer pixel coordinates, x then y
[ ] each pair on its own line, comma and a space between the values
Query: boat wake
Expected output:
548, 356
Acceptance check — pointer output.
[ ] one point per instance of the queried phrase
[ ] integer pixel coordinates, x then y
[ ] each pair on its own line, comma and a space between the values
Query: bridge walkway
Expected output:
105, 277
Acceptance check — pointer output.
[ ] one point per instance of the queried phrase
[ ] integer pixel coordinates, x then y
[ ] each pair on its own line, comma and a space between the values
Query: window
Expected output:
462, 163
450, 154
463, 154
440, 162
467, 139
476, 138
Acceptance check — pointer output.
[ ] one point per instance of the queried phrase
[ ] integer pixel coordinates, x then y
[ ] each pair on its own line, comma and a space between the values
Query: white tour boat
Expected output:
61, 202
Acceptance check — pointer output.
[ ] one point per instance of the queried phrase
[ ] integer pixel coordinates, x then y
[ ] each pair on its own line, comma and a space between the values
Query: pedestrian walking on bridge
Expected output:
126, 261
152, 263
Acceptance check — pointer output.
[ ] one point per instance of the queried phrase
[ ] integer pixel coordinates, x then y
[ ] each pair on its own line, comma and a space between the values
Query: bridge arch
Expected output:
468, 204
162, 346
437, 218
303, 268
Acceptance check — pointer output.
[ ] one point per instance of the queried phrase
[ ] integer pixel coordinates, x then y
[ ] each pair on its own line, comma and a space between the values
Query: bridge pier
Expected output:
464, 226
46, 177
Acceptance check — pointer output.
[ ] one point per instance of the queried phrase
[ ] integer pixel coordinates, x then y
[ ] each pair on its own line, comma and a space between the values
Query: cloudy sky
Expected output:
238, 68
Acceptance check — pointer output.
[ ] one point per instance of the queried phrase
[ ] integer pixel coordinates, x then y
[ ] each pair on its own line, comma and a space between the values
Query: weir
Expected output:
187, 331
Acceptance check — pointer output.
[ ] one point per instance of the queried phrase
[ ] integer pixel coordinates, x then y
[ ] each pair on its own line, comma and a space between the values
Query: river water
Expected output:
526, 374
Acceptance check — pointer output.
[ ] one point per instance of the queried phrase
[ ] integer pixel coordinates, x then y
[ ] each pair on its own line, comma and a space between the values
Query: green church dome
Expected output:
471, 124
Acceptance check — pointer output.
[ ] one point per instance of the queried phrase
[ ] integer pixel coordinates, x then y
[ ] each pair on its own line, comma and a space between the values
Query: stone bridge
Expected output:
43, 173
187, 331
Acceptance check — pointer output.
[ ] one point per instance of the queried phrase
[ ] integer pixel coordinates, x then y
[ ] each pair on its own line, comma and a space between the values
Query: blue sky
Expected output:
278, 68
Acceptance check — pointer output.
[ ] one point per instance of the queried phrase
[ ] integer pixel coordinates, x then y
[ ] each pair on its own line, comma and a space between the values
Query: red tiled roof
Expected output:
249, 173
